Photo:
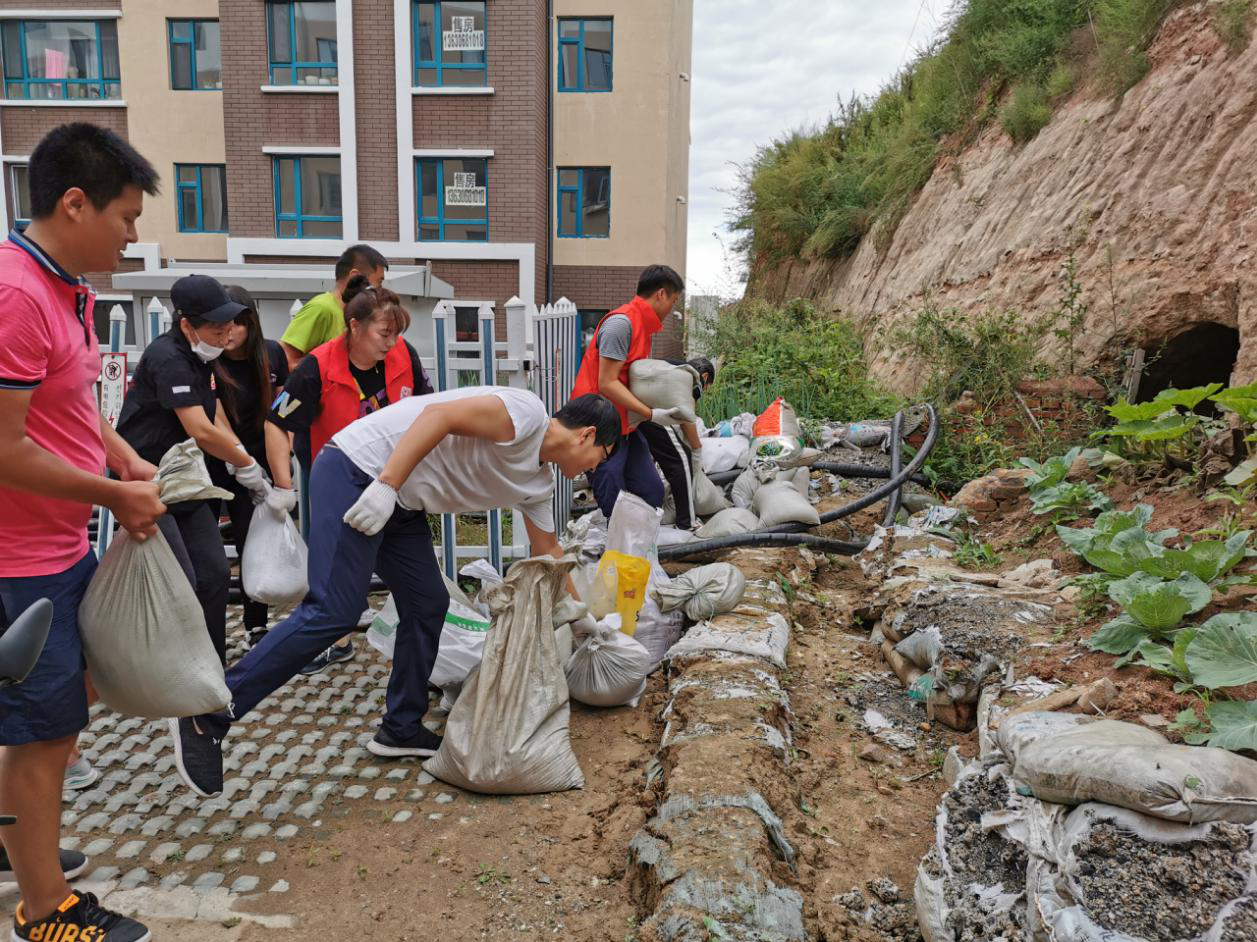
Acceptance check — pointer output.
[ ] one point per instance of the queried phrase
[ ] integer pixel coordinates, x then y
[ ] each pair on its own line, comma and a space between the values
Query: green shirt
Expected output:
321, 320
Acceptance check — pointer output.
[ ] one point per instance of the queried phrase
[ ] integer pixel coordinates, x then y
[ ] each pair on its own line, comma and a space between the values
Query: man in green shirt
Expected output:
323, 317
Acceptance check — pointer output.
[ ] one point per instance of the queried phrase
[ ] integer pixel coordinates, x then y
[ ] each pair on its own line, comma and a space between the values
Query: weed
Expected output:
1233, 21
972, 553
1071, 314
490, 875
1027, 112
230, 922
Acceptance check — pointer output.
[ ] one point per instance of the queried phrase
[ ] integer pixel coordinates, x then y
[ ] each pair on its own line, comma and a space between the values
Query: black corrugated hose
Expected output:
780, 535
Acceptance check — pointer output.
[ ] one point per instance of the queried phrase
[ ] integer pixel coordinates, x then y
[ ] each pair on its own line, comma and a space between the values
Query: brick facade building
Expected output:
519, 154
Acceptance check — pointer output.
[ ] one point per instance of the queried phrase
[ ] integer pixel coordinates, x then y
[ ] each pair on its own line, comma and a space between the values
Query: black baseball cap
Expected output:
202, 297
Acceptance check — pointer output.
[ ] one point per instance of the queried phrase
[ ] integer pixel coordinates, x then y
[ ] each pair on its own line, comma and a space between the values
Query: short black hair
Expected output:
94, 159
362, 257
704, 366
592, 409
656, 277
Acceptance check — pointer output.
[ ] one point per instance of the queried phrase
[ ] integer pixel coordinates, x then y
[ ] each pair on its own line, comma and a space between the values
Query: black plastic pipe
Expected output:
763, 538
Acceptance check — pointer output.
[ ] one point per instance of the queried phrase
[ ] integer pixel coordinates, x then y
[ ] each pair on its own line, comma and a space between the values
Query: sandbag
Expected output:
661, 385
704, 591
608, 668
144, 634
657, 630
273, 565
508, 732
724, 454
708, 498
728, 523
462, 638
780, 502
1078, 852
778, 419
1132, 767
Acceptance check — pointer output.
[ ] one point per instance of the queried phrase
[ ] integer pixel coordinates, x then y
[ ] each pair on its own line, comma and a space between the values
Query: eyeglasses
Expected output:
607, 451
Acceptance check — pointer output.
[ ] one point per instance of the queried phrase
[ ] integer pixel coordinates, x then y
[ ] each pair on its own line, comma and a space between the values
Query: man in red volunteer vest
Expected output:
622, 338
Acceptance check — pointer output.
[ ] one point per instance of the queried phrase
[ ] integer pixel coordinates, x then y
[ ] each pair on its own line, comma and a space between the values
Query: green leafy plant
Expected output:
1051, 472
972, 553
1233, 20
1223, 651
1157, 430
1076, 498
1151, 609
1027, 112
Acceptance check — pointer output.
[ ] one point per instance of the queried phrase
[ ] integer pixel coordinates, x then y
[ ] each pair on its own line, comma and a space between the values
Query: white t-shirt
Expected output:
462, 474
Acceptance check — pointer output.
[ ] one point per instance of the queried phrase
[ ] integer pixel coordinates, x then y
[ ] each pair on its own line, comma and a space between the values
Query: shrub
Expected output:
1233, 21
816, 362
1026, 113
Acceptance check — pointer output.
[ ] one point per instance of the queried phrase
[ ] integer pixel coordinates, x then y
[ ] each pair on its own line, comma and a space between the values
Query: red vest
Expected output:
645, 325
340, 401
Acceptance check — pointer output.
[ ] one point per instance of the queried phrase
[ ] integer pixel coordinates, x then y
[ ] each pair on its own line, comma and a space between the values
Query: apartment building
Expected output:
530, 148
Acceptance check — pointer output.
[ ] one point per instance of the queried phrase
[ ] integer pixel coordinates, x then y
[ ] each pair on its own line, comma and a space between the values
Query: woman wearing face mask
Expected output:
173, 398
250, 372
366, 368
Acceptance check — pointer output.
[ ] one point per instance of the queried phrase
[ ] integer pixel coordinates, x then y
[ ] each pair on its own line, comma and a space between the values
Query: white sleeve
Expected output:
527, 413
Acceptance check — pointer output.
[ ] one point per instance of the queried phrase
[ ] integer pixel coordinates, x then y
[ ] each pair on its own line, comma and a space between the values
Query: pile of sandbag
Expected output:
775, 496
1074, 829
946, 640
144, 634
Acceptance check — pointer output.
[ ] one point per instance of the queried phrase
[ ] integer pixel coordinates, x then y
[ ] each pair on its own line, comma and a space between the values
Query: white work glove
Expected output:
281, 500
668, 418
252, 479
372, 510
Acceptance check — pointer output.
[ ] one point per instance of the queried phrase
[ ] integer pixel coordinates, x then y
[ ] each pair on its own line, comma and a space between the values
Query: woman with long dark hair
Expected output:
250, 372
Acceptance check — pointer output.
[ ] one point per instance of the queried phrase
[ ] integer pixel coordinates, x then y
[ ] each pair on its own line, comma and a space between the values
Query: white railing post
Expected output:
442, 322
157, 315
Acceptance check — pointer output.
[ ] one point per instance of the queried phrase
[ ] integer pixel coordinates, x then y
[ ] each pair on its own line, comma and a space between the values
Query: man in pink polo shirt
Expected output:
87, 189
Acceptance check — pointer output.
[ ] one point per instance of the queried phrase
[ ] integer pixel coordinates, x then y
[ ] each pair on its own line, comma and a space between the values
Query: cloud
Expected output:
762, 70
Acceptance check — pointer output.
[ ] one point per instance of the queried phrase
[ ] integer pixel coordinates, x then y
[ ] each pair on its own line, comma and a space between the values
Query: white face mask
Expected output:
206, 351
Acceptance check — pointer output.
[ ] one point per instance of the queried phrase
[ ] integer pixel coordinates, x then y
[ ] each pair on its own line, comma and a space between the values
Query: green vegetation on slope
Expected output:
816, 194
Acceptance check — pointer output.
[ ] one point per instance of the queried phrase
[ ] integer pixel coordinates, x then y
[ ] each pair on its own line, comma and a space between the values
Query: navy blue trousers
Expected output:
341, 563
630, 468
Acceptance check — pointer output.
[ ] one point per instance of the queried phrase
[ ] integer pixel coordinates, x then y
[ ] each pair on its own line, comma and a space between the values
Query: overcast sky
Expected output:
763, 69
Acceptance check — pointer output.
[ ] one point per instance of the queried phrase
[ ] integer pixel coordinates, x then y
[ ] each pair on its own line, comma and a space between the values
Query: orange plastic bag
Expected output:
778, 419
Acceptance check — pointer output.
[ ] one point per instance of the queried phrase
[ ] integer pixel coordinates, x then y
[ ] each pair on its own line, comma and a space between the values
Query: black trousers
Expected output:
240, 510
191, 529
671, 452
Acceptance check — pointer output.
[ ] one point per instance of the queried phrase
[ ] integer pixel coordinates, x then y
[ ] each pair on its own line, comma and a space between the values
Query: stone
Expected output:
874, 753
133, 878
245, 884
199, 852
267, 856
285, 832
423, 778
356, 791
415, 794
164, 852
255, 831
96, 847
233, 855
386, 794
279, 886
444, 798
208, 881
130, 850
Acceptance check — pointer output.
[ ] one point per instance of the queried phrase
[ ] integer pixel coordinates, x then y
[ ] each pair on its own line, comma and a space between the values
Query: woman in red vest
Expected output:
622, 338
365, 369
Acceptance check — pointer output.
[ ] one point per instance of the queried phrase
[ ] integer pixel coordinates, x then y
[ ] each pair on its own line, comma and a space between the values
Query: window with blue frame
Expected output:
20, 188
449, 43
307, 197
196, 61
301, 39
453, 197
584, 202
60, 59
584, 55
202, 197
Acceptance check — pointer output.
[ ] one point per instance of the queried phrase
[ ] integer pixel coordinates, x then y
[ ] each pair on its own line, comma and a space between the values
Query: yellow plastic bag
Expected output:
620, 586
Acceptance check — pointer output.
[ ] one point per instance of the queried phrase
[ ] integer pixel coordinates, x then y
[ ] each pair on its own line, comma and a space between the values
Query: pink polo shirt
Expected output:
47, 345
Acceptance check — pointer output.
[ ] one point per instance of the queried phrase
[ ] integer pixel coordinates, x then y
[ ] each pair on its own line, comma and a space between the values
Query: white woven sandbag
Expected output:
607, 669
704, 591
661, 385
780, 502
728, 522
508, 732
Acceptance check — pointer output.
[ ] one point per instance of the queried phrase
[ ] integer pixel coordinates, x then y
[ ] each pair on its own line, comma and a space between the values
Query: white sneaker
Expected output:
80, 775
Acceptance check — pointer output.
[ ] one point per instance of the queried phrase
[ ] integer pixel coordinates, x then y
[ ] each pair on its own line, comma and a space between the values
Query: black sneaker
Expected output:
333, 655
72, 864
80, 917
253, 635
198, 756
424, 744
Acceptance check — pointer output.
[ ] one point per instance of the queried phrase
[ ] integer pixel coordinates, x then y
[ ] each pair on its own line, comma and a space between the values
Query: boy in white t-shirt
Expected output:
371, 489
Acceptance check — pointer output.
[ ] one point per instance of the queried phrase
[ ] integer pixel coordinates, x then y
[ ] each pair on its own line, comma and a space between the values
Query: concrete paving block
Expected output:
444, 798
267, 856
92, 822
402, 816
164, 852
385, 794
222, 829
123, 824
233, 855
356, 791
133, 878
199, 852
102, 875
208, 881
96, 847
279, 886
245, 884
189, 826
255, 832
286, 832
159, 825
